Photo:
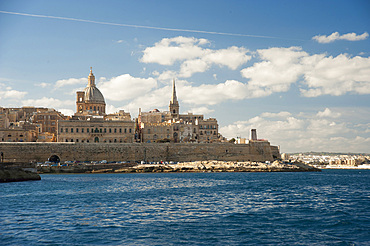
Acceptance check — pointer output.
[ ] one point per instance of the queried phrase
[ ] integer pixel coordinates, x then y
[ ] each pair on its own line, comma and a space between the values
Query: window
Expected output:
105, 130
76, 140
61, 129
71, 130
115, 140
66, 130
94, 108
110, 130
130, 130
71, 140
115, 130
82, 130
87, 130
125, 130
76, 130
120, 130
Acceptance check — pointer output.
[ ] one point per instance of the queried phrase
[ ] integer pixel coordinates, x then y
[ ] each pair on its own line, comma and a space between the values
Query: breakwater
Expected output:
136, 152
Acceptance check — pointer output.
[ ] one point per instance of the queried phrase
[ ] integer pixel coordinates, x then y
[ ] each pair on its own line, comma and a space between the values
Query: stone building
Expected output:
90, 123
47, 120
96, 130
171, 126
17, 135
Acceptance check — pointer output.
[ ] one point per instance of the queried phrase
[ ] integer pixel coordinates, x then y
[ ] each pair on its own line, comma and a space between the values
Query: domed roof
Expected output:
93, 95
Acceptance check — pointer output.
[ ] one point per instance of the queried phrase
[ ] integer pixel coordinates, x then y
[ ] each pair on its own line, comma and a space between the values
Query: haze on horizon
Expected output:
298, 72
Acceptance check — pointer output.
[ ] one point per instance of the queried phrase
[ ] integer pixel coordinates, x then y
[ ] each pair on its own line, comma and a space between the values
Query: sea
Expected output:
331, 207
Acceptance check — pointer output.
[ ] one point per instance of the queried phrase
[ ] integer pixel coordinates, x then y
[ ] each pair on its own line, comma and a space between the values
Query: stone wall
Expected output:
27, 152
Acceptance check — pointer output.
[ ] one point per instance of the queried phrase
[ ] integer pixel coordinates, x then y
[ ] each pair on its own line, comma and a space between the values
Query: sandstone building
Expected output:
171, 126
90, 123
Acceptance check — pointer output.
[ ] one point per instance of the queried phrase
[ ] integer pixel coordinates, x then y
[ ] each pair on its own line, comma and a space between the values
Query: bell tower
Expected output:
174, 104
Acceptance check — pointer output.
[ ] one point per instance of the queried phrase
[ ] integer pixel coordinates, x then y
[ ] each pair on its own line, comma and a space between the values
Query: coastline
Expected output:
17, 175
196, 166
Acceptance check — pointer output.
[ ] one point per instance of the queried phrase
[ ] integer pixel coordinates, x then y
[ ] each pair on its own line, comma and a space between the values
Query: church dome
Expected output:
93, 95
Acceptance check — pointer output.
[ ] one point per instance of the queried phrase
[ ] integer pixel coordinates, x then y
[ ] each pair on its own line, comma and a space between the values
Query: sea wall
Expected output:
28, 152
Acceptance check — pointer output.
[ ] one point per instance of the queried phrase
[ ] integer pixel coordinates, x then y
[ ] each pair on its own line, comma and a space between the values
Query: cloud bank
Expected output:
325, 130
336, 36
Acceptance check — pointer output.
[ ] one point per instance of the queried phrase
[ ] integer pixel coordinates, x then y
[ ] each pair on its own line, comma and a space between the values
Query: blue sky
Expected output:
298, 71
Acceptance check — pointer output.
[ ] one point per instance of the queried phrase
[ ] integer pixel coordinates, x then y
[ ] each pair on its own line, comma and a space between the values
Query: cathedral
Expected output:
91, 100
90, 123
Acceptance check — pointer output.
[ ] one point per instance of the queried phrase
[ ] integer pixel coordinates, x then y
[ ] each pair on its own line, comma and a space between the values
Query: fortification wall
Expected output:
27, 152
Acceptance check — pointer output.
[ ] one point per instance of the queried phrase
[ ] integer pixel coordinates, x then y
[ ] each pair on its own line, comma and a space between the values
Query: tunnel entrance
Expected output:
54, 158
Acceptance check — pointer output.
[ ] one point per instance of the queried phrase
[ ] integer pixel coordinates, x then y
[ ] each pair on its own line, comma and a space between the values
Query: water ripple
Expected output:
328, 208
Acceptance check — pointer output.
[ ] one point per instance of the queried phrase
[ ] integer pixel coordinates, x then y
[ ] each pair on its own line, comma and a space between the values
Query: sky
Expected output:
297, 71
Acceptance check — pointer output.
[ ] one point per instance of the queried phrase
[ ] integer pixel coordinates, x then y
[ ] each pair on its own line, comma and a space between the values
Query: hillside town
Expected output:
329, 159
91, 123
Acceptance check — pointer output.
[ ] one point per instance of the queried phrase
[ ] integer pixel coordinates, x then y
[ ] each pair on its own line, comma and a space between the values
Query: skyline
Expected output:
296, 72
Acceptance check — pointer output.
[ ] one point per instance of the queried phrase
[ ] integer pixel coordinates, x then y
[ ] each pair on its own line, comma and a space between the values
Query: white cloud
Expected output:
125, 87
336, 75
323, 75
71, 81
282, 114
336, 36
214, 94
13, 94
48, 102
328, 113
8, 92
194, 58
279, 69
304, 132
188, 68
169, 50
43, 85
67, 112
158, 98
201, 110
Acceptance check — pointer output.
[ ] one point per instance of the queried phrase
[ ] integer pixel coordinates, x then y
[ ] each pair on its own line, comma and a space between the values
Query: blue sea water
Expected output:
319, 208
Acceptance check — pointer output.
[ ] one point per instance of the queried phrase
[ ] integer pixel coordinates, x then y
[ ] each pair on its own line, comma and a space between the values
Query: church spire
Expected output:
174, 97
174, 104
91, 79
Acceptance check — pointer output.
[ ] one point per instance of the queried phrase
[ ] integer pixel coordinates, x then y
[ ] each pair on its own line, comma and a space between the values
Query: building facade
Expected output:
90, 123
171, 126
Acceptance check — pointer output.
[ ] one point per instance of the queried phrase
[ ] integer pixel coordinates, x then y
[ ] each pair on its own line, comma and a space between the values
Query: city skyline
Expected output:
296, 72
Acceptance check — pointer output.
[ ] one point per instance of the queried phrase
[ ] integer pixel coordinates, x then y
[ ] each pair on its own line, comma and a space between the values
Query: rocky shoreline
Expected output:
17, 175
216, 166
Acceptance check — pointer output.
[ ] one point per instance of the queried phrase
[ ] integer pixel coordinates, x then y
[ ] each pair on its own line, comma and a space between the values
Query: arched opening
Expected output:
54, 158
96, 140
